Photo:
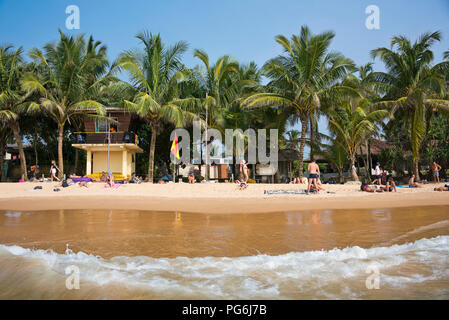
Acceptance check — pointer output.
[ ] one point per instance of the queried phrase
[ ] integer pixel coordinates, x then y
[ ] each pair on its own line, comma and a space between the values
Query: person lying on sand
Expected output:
367, 188
412, 183
83, 184
445, 188
299, 180
391, 185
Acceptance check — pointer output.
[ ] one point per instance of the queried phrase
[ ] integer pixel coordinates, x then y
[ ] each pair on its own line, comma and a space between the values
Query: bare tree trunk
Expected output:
302, 142
152, 148
60, 155
23, 163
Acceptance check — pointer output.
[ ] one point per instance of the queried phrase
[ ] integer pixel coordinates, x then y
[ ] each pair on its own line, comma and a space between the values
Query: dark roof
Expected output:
288, 155
376, 146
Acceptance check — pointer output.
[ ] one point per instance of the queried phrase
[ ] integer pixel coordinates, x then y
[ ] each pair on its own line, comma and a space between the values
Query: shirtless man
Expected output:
314, 174
436, 172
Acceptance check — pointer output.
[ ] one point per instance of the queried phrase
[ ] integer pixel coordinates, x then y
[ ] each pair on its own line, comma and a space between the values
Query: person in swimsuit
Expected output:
412, 183
436, 172
53, 168
377, 175
445, 188
314, 174
391, 185
244, 170
367, 188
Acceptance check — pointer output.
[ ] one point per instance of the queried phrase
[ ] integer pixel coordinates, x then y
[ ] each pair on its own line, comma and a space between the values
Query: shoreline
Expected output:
209, 198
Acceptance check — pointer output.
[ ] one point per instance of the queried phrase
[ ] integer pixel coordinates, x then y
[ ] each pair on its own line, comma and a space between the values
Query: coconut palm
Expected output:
220, 88
413, 87
350, 124
73, 72
155, 74
303, 78
12, 98
336, 155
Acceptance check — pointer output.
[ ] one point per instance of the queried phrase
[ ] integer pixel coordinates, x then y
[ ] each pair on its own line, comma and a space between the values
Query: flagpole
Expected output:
207, 153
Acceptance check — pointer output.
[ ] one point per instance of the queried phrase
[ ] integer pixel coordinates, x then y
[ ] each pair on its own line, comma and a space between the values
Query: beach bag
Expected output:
64, 184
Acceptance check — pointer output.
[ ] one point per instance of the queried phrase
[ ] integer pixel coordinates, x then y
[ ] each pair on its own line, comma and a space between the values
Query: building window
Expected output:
102, 125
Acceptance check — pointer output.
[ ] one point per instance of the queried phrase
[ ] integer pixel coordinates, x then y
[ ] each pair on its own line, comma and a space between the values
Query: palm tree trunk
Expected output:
302, 142
76, 160
312, 136
23, 163
354, 176
60, 155
416, 169
152, 148
365, 164
35, 149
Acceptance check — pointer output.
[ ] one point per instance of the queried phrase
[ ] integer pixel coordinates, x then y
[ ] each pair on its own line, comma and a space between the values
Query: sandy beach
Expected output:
209, 198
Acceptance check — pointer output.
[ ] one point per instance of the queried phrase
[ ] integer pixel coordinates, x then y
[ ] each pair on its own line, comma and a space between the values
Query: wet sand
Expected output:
110, 233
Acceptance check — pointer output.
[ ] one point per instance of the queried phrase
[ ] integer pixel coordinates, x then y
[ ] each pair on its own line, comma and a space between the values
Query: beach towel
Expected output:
87, 179
287, 191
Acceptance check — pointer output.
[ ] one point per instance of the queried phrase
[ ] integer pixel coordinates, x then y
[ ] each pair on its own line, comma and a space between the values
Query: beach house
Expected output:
110, 145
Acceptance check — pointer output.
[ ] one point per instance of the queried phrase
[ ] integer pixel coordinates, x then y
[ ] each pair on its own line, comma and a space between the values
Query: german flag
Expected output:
174, 148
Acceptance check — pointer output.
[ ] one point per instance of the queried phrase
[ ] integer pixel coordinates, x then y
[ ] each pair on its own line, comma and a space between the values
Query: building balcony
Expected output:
102, 138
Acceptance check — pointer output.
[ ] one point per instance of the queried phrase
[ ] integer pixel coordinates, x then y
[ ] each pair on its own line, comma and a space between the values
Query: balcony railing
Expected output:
102, 137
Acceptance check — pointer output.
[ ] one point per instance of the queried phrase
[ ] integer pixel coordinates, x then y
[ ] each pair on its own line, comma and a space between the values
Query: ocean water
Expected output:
375, 258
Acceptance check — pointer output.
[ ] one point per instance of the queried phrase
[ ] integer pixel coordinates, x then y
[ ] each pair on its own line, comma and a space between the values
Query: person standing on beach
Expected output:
244, 170
53, 168
314, 174
377, 175
436, 172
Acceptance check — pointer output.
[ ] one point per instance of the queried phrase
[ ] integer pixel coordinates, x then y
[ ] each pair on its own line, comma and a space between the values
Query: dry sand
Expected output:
209, 198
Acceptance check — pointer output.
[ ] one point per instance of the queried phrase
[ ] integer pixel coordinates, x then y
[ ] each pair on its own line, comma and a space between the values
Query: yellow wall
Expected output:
100, 162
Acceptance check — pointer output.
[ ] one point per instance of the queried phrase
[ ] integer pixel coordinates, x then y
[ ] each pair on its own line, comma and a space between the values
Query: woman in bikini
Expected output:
53, 168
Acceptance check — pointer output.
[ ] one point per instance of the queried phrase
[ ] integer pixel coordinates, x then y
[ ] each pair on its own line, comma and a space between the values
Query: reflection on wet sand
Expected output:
170, 234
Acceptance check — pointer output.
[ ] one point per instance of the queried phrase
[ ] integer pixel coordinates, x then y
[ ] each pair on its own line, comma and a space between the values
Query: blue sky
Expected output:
244, 29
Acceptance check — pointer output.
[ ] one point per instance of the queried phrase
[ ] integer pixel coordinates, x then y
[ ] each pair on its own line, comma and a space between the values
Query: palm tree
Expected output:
412, 86
154, 75
336, 155
74, 70
220, 88
303, 78
350, 125
12, 98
